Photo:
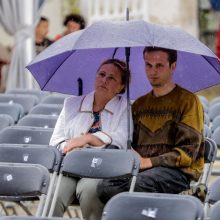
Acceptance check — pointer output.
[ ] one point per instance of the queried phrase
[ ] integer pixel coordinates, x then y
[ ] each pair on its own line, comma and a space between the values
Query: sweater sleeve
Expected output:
188, 139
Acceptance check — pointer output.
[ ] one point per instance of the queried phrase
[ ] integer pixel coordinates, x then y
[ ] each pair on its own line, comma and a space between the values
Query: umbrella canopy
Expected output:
78, 55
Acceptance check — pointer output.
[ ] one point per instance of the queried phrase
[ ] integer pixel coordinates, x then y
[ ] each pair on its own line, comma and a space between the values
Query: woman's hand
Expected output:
74, 143
81, 141
145, 163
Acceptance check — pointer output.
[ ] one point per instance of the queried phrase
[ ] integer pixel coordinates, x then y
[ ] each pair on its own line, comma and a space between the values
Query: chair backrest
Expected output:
25, 135
49, 157
15, 110
210, 150
207, 119
5, 121
46, 109
204, 100
23, 145
27, 101
214, 191
40, 94
100, 163
158, 206
216, 136
214, 111
215, 100
215, 211
54, 99
23, 180
207, 131
212, 197
20, 182
209, 157
43, 121
215, 123
33, 218
199, 188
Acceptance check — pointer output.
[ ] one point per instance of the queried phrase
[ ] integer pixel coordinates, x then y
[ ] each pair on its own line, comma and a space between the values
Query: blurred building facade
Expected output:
194, 16
209, 23
172, 12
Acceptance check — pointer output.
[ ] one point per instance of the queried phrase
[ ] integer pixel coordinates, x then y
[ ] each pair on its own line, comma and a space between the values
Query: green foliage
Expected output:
73, 6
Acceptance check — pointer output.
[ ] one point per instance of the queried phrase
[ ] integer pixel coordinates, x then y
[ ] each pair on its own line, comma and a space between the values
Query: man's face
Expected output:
159, 71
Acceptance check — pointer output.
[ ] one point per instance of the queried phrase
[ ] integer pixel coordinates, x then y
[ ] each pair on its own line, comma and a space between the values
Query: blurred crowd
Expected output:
71, 23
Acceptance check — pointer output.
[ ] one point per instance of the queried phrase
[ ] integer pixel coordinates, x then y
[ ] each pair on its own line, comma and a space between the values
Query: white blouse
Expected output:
76, 118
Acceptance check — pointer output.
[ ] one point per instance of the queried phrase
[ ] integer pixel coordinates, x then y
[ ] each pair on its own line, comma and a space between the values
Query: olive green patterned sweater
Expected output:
168, 130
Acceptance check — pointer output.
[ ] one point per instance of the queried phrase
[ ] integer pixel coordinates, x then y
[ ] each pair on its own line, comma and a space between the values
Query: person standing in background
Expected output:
4, 61
72, 22
41, 31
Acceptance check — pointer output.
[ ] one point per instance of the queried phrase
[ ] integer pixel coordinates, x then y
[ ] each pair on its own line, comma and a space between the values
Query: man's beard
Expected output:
157, 85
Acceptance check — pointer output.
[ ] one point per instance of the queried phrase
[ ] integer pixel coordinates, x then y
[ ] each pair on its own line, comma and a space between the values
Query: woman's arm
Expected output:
79, 142
58, 133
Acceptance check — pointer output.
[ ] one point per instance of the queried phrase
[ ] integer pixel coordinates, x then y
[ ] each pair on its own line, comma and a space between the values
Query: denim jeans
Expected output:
156, 179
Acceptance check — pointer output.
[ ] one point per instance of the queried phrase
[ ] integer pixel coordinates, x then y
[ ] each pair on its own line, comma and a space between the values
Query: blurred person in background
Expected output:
41, 31
4, 61
72, 22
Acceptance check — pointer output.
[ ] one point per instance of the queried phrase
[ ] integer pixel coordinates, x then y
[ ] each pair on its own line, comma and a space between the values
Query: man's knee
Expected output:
145, 183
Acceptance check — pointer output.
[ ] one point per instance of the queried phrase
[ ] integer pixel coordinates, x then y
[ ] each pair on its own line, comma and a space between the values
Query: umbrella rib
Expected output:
57, 69
113, 56
211, 64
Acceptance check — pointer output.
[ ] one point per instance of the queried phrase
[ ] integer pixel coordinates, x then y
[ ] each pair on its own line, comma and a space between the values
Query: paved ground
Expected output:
14, 209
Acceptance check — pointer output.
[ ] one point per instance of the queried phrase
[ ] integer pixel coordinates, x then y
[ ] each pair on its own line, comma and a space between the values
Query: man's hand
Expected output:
145, 163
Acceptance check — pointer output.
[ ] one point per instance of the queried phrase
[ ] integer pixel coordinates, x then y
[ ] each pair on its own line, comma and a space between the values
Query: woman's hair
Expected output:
76, 18
121, 65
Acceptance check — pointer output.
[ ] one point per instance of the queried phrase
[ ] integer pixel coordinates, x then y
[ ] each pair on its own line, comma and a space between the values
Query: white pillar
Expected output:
28, 55
145, 10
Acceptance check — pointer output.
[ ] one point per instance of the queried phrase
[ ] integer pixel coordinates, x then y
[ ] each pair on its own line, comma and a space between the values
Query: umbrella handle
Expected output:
127, 55
80, 86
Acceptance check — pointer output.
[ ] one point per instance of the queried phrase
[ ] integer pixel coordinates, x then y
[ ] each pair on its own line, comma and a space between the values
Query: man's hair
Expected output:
42, 18
172, 54
121, 65
76, 18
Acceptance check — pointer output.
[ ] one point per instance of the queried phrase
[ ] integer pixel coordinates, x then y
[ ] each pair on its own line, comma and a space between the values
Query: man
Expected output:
72, 22
168, 124
41, 31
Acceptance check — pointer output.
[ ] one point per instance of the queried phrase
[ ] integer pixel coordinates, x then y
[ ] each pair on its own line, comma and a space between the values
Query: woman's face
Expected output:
108, 80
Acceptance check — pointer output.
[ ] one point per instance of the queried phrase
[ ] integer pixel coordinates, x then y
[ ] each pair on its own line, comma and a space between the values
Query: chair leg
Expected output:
77, 212
24, 208
69, 213
4, 208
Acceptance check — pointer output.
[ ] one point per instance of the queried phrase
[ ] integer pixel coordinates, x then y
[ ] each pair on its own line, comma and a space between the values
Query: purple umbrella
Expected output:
76, 57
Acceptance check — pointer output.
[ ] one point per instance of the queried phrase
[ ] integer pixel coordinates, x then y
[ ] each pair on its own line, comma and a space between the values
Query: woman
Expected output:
97, 119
